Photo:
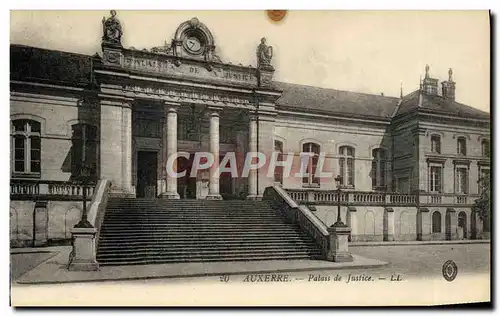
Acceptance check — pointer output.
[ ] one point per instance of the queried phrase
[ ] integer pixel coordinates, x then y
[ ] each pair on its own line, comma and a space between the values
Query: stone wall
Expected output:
53, 222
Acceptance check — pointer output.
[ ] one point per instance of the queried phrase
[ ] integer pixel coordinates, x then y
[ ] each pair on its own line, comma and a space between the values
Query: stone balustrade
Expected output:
24, 189
303, 196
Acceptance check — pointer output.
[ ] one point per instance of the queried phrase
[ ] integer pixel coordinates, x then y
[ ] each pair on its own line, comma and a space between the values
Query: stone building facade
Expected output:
409, 165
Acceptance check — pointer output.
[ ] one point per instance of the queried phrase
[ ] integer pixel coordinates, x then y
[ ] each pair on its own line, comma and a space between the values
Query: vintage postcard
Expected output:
250, 158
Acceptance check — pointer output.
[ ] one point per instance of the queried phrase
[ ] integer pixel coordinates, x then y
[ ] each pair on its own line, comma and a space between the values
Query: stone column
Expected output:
252, 147
170, 148
388, 224
116, 145
213, 187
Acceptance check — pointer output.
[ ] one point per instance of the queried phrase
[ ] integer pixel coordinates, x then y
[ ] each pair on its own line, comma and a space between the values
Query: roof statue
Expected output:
112, 30
450, 75
264, 54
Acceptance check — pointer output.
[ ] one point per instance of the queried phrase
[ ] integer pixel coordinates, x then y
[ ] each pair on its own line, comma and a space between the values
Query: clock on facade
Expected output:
193, 45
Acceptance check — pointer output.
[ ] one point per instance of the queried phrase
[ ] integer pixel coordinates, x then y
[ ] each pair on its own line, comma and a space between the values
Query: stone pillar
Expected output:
423, 224
338, 250
213, 186
252, 147
388, 224
127, 150
116, 145
170, 148
352, 222
451, 224
265, 145
84, 258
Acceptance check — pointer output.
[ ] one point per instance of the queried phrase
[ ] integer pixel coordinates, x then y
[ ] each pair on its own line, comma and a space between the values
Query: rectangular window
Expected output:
461, 180
19, 153
350, 171
342, 170
435, 179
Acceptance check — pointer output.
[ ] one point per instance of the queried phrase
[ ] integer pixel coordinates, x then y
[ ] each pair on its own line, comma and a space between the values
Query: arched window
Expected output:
436, 144
436, 222
310, 179
26, 145
378, 168
278, 170
461, 146
485, 148
346, 165
84, 148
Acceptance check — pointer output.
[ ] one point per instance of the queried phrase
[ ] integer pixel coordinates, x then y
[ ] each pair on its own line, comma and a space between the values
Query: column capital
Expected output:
214, 110
171, 107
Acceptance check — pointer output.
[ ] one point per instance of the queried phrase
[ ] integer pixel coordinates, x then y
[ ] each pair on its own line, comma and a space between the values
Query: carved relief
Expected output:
112, 57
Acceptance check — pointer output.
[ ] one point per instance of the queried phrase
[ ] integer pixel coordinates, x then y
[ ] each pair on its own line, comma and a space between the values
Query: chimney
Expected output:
449, 87
429, 85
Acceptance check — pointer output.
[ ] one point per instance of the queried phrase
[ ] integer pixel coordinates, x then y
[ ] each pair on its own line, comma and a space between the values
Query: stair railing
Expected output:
98, 206
299, 215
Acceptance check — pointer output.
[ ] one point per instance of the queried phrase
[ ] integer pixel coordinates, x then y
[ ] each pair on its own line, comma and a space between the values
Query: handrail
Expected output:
316, 196
300, 215
46, 189
98, 205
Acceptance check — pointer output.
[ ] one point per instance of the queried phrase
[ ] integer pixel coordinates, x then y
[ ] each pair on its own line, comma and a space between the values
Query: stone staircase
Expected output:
151, 231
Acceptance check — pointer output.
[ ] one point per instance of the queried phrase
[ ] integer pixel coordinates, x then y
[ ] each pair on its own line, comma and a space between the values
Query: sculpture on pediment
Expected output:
163, 50
264, 54
112, 29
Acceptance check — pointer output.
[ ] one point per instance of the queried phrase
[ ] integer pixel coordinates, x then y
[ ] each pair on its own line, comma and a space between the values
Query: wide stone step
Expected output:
187, 211
207, 254
196, 238
214, 243
194, 224
191, 215
192, 233
206, 248
201, 259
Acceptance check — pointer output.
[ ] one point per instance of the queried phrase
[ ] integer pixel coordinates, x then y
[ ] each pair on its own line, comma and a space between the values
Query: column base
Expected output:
214, 197
170, 195
338, 244
388, 237
84, 250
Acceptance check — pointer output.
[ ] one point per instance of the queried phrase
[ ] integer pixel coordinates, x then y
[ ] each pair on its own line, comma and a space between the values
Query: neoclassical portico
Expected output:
173, 85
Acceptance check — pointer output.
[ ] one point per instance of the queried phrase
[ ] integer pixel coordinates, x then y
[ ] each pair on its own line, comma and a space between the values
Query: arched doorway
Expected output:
462, 225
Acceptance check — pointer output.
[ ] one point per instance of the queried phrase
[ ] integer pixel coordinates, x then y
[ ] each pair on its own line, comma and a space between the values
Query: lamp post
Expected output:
84, 177
338, 223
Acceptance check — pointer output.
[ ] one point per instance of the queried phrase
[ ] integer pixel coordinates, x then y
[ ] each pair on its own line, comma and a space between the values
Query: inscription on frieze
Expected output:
169, 67
214, 97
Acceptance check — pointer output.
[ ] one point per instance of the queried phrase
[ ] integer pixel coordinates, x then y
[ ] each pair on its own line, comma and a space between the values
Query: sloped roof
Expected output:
438, 104
40, 64
334, 101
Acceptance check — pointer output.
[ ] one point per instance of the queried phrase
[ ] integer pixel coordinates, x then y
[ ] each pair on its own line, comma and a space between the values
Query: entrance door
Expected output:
462, 225
186, 185
147, 165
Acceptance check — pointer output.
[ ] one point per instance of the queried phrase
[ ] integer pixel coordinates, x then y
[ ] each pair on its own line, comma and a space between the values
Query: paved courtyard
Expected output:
419, 264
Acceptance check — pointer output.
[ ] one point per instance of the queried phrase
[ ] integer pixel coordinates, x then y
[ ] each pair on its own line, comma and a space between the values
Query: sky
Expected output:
364, 51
